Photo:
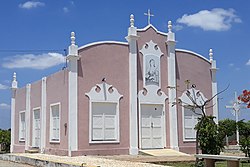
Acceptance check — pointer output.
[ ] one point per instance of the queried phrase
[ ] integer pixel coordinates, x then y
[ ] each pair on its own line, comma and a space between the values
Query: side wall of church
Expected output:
109, 61
57, 92
197, 70
19, 146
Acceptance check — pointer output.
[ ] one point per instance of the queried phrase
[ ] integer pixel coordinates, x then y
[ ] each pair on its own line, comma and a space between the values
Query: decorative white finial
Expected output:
14, 76
211, 54
73, 38
132, 20
169, 26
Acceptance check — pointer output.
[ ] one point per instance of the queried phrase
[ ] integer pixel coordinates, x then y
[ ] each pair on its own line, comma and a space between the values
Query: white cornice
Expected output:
102, 42
196, 54
150, 25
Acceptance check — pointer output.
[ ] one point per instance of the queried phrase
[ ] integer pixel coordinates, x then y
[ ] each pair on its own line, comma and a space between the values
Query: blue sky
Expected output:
34, 35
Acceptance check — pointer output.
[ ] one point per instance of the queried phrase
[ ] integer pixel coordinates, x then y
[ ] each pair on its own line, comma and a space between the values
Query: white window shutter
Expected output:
110, 127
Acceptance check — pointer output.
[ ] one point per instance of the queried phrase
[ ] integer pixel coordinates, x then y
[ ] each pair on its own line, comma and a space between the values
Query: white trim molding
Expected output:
73, 58
102, 42
104, 93
51, 123
133, 121
21, 126
27, 117
173, 119
43, 114
13, 111
214, 69
193, 53
150, 25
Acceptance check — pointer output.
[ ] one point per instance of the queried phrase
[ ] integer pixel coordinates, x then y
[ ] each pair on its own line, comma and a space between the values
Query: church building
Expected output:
115, 98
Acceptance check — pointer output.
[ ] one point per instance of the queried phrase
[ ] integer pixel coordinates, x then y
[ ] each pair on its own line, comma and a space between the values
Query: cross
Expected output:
149, 15
236, 110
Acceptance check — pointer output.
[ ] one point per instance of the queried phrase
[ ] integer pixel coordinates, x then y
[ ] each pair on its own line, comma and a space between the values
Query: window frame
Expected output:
51, 138
117, 127
24, 133
183, 125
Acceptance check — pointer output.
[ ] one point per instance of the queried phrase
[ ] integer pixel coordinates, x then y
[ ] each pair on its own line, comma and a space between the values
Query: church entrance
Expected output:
152, 126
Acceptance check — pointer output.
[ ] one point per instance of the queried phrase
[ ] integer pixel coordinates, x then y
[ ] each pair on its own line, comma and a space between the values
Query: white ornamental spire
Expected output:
14, 82
73, 38
169, 26
211, 54
132, 20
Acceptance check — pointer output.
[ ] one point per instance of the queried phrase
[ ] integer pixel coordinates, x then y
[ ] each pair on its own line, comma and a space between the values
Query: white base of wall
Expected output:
175, 148
133, 151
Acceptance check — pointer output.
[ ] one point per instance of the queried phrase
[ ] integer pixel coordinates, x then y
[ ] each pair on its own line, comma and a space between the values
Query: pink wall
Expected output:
35, 102
159, 39
99, 61
20, 106
57, 92
197, 70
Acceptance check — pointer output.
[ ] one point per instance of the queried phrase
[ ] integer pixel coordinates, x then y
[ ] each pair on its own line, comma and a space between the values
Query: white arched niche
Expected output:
152, 123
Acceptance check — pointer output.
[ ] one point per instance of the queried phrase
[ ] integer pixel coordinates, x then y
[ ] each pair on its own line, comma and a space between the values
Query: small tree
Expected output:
227, 127
244, 130
5, 136
208, 136
245, 98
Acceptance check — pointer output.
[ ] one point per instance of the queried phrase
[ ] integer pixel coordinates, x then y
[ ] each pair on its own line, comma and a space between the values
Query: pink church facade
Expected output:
114, 98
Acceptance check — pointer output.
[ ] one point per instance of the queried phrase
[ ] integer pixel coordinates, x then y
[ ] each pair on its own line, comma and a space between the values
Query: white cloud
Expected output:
177, 27
31, 4
3, 87
4, 106
32, 61
248, 63
231, 64
65, 10
217, 19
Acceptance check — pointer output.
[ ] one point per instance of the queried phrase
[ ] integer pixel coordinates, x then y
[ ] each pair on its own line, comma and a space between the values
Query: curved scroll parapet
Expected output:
152, 94
104, 92
192, 96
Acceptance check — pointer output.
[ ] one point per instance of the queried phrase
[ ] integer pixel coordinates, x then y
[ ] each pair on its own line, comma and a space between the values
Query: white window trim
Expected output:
99, 97
117, 130
50, 126
183, 127
33, 128
21, 139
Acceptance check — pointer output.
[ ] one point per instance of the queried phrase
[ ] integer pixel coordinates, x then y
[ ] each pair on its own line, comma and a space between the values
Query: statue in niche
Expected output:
152, 72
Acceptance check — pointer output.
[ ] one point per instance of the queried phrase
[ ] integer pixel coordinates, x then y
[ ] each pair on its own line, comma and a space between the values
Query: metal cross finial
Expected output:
149, 15
236, 110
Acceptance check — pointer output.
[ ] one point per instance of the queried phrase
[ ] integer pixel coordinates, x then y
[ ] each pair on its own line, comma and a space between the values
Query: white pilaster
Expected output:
43, 115
214, 86
133, 121
73, 87
27, 118
13, 110
173, 122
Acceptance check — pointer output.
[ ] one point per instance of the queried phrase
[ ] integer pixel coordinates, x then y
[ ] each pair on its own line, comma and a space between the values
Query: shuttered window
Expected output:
190, 120
55, 123
22, 126
104, 122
